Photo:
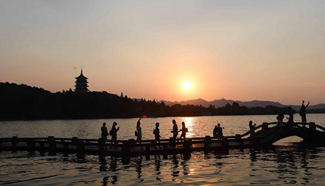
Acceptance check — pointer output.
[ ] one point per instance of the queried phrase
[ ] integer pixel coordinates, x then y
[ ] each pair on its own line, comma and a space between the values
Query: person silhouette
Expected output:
138, 131
215, 131
280, 118
302, 112
113, 132
252, 128
104, 132
175, 130
220, 133
184, 131
156, 132
291, 123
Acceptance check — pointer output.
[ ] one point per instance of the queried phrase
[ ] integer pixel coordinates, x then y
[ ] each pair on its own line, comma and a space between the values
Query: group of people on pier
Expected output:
217, 131
138, 131
112, 132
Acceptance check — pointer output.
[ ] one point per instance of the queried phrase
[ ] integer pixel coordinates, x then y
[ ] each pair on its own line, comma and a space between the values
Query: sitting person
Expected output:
217, 131
280, 118
291, 123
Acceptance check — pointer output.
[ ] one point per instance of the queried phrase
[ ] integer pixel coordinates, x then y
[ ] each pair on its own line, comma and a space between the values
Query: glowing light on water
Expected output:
189, 123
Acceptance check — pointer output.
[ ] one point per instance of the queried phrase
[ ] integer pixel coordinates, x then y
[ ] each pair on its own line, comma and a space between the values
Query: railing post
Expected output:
238, 137
165, 151
41, 146
172, 142
225, 143
125, 149
65, 146
101, 144
30, 145
52, 145
80, 147
148, 152
312, 126
75, 142
188, 145
14, 142
207, 141
265, 126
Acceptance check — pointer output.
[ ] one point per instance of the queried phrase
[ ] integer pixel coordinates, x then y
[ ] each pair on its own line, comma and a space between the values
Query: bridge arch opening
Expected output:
287, 141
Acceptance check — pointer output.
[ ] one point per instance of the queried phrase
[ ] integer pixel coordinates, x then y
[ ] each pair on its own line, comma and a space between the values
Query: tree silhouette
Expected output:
22, 102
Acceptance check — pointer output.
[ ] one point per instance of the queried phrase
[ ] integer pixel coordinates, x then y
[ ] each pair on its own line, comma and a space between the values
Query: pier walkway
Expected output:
265, 134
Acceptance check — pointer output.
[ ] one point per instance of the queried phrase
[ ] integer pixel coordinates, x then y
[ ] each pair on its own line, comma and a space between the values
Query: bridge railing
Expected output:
299, 124
164, 141
258, 128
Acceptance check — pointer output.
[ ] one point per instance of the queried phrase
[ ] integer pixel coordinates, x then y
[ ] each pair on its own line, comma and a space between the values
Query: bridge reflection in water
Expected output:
284, 163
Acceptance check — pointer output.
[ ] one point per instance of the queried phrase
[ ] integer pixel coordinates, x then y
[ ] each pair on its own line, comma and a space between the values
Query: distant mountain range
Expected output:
255, 103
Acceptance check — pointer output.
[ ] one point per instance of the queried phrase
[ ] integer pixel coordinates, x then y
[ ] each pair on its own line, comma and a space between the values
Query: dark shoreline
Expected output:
23, 102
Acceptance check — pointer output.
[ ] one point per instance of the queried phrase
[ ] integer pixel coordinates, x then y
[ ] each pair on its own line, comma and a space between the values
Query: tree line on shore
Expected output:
22, 102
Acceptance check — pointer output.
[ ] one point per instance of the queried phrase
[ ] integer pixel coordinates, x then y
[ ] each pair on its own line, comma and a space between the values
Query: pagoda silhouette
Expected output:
81, 84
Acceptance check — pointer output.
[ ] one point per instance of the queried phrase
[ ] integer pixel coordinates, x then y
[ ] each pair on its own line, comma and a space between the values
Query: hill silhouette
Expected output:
22, 102
250, 104
222, 102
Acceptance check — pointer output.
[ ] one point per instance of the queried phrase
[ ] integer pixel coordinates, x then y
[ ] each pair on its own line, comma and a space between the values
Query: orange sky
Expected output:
266, 50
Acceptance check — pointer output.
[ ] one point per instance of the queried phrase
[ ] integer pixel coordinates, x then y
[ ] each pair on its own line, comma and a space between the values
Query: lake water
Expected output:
284, 163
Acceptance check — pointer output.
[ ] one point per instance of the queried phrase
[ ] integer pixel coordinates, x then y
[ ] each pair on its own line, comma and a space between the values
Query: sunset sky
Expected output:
170, 50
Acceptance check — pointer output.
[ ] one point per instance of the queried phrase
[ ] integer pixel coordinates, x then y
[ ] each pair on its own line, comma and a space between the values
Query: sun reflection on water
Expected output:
189, 123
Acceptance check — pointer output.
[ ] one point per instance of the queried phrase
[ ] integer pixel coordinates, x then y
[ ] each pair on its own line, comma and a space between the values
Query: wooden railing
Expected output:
194, 139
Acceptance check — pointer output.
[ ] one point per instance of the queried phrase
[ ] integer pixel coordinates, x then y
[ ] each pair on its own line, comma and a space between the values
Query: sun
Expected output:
187, 85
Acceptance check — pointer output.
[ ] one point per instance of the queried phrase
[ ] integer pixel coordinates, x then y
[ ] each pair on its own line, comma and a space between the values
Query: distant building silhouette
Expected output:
81, 83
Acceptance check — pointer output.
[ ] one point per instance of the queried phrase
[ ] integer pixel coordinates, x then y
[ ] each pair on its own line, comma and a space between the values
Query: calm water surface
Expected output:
285, 163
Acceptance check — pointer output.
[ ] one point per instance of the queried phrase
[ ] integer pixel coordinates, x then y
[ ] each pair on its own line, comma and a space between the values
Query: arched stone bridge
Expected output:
269, 133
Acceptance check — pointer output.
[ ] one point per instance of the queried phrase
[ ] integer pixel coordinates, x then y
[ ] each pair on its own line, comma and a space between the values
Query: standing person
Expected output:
302, 112
252, 128
113, 132
104, 132
175, 130
156, 132
220, 133
184, 131
138, 131
215, 131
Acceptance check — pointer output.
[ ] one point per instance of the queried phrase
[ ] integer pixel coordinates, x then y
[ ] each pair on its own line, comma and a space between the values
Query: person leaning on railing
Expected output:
302, 113
252, 128
291, 123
